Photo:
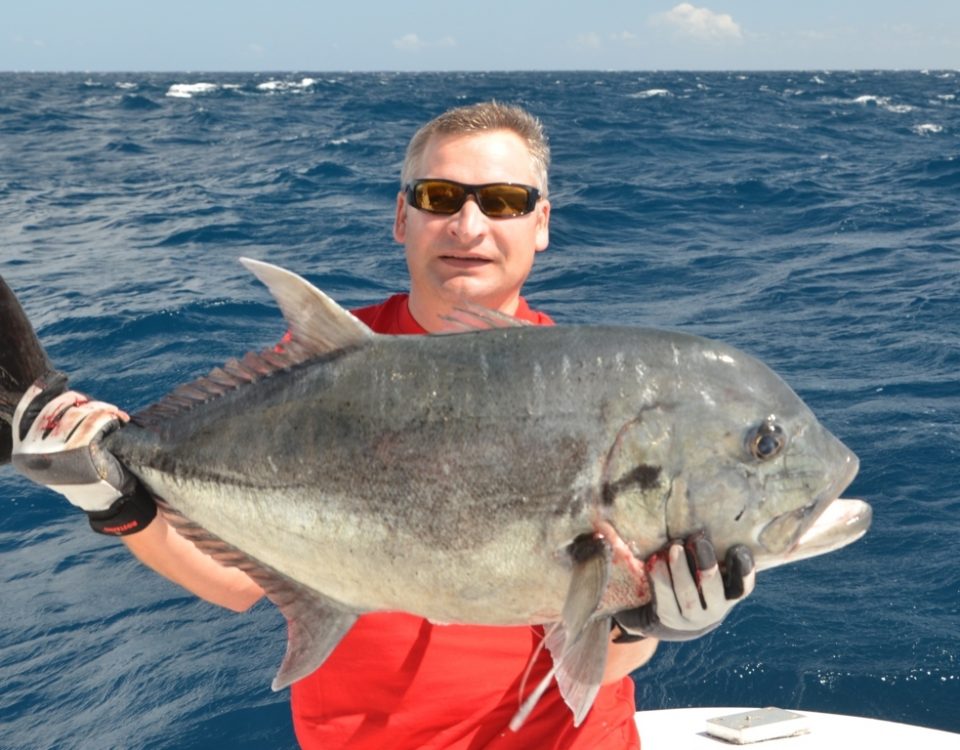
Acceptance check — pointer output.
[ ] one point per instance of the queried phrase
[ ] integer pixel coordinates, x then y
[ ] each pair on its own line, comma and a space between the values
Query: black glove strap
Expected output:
128, 514
625, 636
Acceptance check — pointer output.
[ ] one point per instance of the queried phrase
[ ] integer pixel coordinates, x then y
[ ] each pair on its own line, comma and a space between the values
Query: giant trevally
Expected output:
504, 476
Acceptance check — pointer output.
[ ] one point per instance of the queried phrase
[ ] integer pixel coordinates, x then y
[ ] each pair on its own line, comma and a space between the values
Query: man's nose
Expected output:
469, 221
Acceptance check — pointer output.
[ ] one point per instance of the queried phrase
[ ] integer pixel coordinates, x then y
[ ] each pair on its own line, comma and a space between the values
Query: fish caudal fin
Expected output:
22, 361
578, 644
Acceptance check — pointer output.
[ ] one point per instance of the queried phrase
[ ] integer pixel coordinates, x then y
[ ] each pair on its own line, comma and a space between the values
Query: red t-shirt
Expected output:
397, 681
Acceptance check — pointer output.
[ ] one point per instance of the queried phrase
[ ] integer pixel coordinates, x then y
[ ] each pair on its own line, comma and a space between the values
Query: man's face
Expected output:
469, 255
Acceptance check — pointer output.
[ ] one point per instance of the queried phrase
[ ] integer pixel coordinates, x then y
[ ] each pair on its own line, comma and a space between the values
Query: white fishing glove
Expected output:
56, 443
691, 596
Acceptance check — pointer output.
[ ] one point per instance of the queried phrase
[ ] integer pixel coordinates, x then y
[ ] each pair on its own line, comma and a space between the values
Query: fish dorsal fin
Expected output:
469, 316
318, 325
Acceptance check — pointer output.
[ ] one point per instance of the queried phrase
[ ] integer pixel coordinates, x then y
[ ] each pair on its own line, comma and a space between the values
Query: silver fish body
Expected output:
504, 476
448, 475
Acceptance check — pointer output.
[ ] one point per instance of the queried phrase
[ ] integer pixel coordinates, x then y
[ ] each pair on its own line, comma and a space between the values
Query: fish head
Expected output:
739, 456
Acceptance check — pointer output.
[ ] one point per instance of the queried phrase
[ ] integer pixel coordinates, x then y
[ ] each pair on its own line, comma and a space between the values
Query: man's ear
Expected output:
400, 220
542, 238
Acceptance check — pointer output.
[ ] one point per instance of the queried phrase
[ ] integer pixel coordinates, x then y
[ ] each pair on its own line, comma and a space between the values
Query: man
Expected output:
472, 213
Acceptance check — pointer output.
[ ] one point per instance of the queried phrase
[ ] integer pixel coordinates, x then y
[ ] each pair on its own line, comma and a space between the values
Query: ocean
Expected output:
809, 218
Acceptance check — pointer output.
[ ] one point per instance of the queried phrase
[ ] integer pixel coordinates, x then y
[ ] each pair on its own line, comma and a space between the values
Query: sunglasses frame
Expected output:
533, 196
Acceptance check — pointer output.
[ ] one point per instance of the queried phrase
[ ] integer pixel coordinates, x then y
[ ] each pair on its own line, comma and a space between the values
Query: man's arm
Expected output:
56, 443
624, 658
177, 559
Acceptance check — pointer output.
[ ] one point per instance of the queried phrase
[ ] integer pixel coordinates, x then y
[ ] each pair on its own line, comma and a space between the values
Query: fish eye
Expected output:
766, 441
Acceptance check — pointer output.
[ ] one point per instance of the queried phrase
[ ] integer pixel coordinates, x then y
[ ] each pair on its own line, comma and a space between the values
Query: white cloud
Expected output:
408, 43
413, 43
701, 23
589, 40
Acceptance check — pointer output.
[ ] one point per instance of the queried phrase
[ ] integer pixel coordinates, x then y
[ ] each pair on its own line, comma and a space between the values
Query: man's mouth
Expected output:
468, 261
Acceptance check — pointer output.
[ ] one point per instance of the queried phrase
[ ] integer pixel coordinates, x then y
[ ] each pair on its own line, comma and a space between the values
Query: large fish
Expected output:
504, 476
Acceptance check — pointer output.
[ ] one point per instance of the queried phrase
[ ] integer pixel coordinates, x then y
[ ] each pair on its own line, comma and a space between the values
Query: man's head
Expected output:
482, 256
481, 118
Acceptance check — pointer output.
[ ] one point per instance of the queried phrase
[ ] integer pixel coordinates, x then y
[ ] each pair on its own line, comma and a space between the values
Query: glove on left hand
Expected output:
690, 595
56, 443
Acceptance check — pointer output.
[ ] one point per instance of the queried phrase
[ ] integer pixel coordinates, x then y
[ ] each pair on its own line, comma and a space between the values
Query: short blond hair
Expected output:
480, 118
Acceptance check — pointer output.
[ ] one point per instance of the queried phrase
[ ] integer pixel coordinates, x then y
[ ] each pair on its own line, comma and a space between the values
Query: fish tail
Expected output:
22, 361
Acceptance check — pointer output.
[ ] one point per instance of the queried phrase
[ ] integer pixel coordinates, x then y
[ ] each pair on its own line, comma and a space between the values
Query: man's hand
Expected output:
56, 443
690, 595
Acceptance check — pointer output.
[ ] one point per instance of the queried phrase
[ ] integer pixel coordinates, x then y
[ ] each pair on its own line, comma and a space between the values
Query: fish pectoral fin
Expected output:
314, 628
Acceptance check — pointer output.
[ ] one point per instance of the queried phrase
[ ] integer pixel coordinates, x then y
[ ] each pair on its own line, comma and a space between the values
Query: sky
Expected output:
431, 35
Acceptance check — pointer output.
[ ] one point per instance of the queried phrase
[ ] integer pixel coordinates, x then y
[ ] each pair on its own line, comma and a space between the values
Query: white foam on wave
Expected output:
649, 93
188, 90
927, 128
287, 85
881, 102
870, 99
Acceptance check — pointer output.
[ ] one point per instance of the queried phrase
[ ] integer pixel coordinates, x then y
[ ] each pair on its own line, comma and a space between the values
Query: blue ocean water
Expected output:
810, 218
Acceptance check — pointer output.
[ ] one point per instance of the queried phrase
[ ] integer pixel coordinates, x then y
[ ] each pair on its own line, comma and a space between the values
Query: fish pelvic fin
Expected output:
318, 325
580, 666
315, 624
22, 361
579, 642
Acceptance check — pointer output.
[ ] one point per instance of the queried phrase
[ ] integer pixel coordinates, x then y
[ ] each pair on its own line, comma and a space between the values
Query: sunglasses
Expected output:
500, 200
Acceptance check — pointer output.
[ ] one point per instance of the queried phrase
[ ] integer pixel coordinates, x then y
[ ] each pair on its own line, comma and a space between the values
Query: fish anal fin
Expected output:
314, 628
315, 624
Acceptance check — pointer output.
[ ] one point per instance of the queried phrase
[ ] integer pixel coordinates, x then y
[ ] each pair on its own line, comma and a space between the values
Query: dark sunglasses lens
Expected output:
439, 197
504, 200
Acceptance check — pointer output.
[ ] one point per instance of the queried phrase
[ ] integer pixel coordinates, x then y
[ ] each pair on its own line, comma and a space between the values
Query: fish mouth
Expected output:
827, 524
843, 521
